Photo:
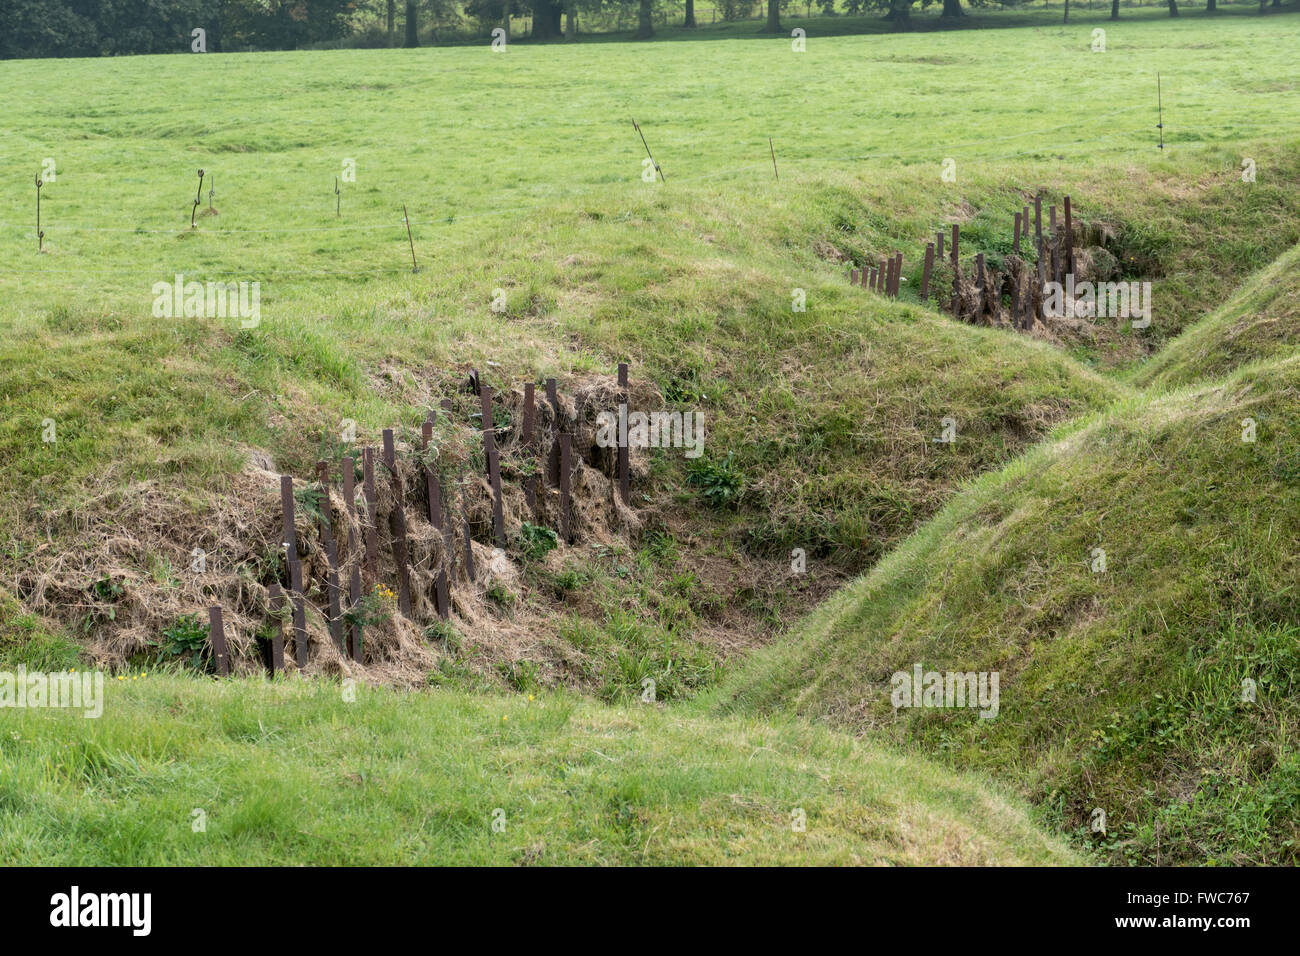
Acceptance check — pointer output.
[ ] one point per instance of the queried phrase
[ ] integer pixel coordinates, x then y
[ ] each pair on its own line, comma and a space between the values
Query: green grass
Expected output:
1121, 688
1260, 321
292, 773
521, 172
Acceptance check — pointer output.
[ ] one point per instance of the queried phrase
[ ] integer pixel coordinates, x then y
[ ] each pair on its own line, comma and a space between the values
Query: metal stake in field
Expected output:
956, 272
217, 635
658, 168
925, 272
397, 526
406, 219
624, 466
1069, 238
354, 585
40, 235
198, 198
773, 149
553, 462
338, 198
1160, 107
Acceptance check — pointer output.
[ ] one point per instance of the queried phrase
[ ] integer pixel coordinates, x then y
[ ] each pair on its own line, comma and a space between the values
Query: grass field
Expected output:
522, 172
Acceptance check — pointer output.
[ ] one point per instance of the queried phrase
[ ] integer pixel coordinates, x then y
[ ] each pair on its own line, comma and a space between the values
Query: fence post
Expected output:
925, 272
553, 462
624, 465
434, 493
217, 635
354, 584
1069, 238
956, 273
397, 526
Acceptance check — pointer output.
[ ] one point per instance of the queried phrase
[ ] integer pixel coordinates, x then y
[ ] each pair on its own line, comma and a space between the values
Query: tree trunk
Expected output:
645, 28
773, 24
570, 24
1211, 6
505, 18
412, 24
690, 14
900, 13
1067, 12
1173, 8
392, 16
1114, 9
952, 8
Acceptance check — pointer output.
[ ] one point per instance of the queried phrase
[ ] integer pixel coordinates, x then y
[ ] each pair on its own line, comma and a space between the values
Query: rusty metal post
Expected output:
217, 635
1069, 238
624, 464
553, 462
299, 614
354, 584
926, 270
397, 526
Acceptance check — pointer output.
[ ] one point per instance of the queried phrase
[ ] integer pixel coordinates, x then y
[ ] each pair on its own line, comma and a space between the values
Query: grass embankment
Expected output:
299, 772
1122, 681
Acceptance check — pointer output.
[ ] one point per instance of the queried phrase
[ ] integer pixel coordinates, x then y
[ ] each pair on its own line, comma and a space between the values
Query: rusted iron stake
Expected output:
397, 526
898, 272
956, 272
1069, 239
553, 463
1016, 240
354, 584
624, 465
925, 271
217, 635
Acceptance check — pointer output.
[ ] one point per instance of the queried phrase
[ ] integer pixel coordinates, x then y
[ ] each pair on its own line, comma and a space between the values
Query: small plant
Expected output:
536, 541
502, 598
310, 500
719, 482
187, 639
370, 610
443, 634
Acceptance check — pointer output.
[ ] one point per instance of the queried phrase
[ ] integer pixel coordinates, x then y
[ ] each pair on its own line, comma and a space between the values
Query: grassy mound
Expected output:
1126, 579
1260, 321
246, 772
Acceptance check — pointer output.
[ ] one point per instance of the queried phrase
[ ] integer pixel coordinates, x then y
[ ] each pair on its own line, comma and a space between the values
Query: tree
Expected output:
412, 24
547, 15
1114, 9
952, 8
773, 24
1173, 8
690, 14
1211, 6
392, 20
645, 27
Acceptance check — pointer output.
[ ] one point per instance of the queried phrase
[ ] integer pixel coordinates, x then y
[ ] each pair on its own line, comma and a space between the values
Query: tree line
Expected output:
40, 28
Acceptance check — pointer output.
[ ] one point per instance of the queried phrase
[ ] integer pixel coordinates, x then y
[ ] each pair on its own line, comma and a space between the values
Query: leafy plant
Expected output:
536, 541
187, 638
719, 482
